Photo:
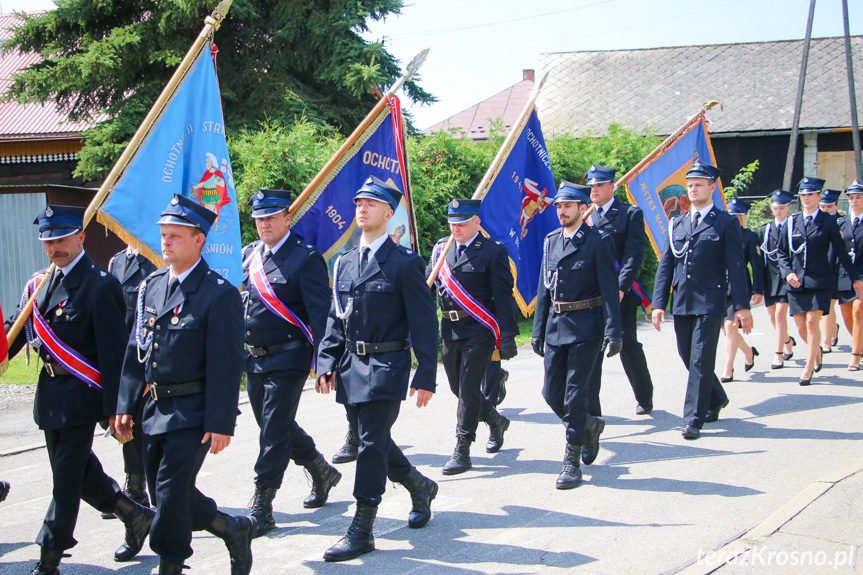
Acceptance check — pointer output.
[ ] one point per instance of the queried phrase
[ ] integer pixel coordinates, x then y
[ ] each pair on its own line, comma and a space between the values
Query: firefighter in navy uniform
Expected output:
130, 268
82, 308
577, 317
286, 285
625, 224
185, 361
480, 279
382, 307
704, 255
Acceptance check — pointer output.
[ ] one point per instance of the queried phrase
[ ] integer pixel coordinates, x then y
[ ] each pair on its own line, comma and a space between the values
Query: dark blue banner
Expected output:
517, 209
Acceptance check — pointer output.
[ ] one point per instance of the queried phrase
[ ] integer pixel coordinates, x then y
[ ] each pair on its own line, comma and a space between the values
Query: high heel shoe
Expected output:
817, 367
835, 341
748, 366
793, 342
778, 365
727, 379
823, 351
855, 367
806, 381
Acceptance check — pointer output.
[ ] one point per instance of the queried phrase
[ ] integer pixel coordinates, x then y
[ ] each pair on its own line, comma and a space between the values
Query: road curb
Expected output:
776, 520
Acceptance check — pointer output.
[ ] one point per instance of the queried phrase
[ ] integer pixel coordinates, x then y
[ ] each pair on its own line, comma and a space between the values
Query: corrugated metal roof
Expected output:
28, 121
756, 83
476, 121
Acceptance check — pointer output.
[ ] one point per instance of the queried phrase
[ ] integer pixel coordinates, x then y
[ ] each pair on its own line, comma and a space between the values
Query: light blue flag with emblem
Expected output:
184, 153
517, 210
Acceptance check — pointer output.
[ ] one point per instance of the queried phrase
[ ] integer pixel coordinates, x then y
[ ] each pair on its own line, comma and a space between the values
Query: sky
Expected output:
480, 47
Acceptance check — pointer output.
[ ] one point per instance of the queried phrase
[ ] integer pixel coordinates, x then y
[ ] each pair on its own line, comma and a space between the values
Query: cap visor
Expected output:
177, 221
270, 211
57, 233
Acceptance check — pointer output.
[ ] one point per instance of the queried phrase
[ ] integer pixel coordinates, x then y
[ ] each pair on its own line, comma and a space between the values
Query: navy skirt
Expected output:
770, 300
847, 296
804, 300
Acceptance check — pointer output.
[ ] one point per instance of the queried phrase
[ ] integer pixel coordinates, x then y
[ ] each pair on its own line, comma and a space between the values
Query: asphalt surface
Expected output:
779, 473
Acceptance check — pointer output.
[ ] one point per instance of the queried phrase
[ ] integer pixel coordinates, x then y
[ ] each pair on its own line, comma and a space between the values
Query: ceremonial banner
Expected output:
659, 188
517, 209
184, 153
326, 218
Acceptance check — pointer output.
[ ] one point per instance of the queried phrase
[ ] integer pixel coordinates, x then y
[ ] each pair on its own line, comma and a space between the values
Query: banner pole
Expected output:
495, 167
211, 24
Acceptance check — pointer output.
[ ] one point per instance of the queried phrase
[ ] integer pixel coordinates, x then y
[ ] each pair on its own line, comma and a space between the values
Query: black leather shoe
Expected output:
835, 341
359, 538
804, 382
460, 460
49, 560
423, 491
261, 509
643, 409
793, 342
349, 450
497, 426
595, 427
324, 477
236, 532
4, 490
137, 521
691, 432
748, 366
501, 394
727, 379
570, 475
171, 567
712, 415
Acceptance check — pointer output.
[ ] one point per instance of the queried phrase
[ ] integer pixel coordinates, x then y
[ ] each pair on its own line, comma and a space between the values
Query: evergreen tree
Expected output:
279, 60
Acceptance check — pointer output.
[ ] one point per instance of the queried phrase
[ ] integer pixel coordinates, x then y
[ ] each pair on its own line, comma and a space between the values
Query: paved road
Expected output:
777, 472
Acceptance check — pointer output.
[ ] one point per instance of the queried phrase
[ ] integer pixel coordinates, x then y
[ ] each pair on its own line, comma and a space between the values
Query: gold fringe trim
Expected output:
130, 239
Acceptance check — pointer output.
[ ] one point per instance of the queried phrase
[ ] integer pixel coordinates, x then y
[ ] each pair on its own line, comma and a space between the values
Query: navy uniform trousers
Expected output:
298, 276
90, 303
391, 303
202, 343
130, 272
625, 224
582, 270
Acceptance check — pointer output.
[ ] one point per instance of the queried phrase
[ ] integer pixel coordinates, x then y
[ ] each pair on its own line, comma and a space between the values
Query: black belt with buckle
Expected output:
163, 391
55, 369
262, 351
454, 314
562, 306
365, 348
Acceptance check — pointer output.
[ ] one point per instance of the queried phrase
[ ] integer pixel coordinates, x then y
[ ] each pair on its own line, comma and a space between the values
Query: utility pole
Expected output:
792, 143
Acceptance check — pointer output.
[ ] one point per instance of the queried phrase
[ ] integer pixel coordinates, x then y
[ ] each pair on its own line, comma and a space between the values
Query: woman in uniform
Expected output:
775, 287
851, 229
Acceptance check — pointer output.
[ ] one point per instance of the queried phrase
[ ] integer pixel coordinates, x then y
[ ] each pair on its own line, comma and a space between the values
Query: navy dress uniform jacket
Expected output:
483, 270
91, 323
391, 302
853, 240
130, 273
298, 274
774, 282
752, 257
815, 271
205, 344
700, 276
585, 270
625, 224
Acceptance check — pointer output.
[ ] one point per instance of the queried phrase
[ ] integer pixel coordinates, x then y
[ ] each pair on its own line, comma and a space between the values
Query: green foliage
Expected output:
740, 183
280, 61
759, 212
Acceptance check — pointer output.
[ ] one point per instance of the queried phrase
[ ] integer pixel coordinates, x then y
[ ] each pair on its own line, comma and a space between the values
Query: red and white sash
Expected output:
71, 360
264, 289
465, 301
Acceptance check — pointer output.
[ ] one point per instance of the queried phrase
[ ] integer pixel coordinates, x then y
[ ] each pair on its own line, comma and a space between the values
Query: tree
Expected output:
279, 60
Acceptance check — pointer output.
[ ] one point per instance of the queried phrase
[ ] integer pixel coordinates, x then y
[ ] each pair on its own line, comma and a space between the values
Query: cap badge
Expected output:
49, 212
260, 195
174, 201
592, 168
455, 204
805, 180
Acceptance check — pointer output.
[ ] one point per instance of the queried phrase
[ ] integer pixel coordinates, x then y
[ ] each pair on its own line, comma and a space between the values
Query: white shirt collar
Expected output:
703, 211
572, 235
130, 251
68, 268
183, 275
607, 205
375, 245
469, 242
777, 223
813, 214
276, 247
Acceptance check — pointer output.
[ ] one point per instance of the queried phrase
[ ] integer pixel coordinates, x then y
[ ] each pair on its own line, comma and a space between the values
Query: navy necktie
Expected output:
460, 251
364, 258
172, 287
